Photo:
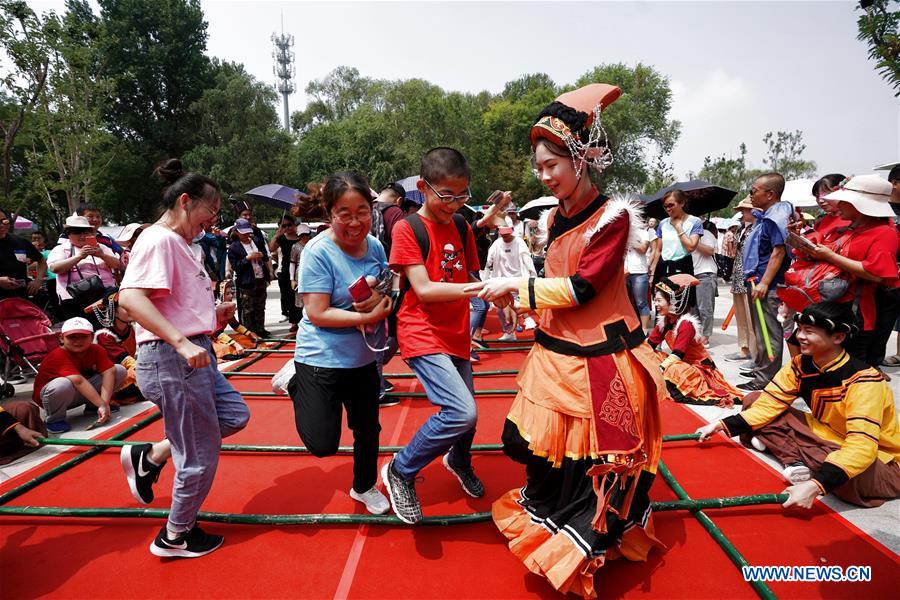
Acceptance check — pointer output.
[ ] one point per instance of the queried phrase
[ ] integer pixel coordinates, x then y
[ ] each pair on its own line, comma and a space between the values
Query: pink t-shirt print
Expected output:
162, 261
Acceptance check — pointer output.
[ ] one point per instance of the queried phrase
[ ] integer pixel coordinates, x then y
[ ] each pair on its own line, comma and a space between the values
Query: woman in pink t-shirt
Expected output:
167, 291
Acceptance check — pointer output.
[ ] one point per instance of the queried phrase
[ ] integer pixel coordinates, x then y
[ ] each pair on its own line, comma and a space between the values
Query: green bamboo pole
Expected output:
386, 375
762, 325
518, 341
284, 449
344, 519
762, 590
59, 469
480, 350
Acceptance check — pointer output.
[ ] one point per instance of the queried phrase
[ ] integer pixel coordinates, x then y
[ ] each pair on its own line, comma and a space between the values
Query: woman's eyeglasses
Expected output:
346, 218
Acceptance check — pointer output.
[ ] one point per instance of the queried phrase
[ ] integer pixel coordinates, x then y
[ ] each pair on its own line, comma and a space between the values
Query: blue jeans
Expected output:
639, 285
478, 309
199, 408
448, 383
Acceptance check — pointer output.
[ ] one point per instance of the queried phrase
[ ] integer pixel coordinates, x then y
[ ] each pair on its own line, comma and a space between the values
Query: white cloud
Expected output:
716, 112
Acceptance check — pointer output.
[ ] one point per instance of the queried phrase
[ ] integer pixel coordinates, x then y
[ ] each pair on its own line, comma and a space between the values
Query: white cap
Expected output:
77, 325
303, 229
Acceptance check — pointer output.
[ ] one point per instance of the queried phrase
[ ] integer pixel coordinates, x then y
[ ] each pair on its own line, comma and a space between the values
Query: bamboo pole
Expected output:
762, 325
762, 590
386, 375
341, 519
284, 449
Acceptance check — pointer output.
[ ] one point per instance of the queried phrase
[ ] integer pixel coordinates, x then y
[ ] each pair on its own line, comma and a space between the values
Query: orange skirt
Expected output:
550, 522
698, 383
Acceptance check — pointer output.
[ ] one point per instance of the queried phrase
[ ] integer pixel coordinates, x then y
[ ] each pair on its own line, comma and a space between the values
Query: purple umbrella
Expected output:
273, 194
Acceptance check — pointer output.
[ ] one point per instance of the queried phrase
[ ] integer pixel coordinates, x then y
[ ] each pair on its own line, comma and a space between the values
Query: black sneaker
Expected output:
467, 478
190, 544
751, 386
385, 401
388, 386
139, 471
402, 494
480, 343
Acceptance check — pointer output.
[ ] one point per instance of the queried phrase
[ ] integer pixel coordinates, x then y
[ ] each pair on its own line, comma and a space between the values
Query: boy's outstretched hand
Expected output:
492, 289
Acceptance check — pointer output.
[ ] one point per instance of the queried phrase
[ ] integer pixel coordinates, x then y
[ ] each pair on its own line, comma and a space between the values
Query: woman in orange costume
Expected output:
585, 422
691, 375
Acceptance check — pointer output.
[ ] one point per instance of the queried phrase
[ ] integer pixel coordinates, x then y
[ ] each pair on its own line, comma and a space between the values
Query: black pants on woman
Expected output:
318, 394
664, 268
288, 299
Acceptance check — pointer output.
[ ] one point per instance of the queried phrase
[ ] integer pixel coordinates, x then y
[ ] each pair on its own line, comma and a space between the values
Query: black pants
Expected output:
664, 268
318, 394
288, 299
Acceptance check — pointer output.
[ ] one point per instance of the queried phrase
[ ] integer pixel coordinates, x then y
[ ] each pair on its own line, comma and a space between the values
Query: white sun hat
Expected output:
869, 194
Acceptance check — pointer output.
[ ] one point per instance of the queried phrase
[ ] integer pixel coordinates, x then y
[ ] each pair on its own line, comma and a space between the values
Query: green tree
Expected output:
154, 50
72, 145
785, 154
878, 28
23, 46
637, 121
239, 142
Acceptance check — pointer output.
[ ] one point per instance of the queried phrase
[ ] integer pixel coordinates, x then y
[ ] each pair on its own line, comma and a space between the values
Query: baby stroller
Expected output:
25, 338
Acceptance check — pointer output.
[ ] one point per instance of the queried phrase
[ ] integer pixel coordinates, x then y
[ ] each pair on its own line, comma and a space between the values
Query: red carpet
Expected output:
100, 558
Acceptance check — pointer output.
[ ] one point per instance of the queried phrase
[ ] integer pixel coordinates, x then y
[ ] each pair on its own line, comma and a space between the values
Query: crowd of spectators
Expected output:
753, 253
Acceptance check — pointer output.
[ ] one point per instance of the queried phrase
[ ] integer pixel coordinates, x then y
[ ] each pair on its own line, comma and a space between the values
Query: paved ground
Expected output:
881, 523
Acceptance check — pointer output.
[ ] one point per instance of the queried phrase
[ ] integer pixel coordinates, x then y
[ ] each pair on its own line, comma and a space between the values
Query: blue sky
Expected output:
737, 69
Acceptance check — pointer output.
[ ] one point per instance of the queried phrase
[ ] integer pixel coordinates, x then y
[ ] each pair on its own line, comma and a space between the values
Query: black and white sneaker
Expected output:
402, 494
139, 471
190, 544
467, 478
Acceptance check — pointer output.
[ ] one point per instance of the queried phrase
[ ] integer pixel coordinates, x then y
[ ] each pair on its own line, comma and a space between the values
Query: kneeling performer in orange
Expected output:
585, 422
691, 375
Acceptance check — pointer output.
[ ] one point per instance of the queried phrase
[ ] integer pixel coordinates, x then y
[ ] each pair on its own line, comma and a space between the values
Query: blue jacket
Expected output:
243, 268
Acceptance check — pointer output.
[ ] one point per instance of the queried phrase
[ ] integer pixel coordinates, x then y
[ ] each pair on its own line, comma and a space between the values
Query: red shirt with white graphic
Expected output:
434, 327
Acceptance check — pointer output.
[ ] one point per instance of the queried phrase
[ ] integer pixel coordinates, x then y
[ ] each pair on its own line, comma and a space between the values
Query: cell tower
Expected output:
284, 68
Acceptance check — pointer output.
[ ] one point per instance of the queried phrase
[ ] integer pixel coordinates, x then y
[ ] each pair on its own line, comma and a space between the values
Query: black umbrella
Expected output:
273, 194
703, 198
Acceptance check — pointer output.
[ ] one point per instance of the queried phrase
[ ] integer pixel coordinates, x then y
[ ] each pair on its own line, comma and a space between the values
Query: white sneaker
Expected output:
508, 337
796, 473
374, 500
757, 444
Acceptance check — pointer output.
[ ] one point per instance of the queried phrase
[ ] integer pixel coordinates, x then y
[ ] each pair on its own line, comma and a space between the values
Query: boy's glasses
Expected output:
448, 198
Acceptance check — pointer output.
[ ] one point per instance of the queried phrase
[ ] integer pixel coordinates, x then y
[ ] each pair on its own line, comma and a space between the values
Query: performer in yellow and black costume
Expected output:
585, 422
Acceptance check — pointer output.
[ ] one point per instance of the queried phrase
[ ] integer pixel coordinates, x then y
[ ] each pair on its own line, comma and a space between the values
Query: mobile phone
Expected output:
360, 290
495, 197
800, 242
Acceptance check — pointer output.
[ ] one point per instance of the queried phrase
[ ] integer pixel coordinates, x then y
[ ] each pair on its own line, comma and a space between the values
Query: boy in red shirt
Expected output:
78, 373
433, 329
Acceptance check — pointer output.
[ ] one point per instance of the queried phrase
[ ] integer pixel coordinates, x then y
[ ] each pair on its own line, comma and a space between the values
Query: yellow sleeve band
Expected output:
541, 292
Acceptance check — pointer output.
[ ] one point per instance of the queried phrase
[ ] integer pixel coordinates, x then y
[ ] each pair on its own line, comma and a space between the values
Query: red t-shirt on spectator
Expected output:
62, 363
876, 248
435, 327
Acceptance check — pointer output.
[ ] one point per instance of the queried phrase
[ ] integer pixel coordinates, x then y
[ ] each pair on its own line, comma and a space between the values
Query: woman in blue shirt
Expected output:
334, 362
676, 237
